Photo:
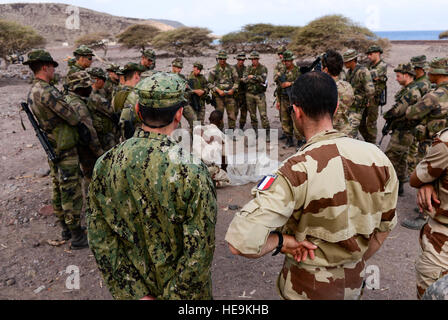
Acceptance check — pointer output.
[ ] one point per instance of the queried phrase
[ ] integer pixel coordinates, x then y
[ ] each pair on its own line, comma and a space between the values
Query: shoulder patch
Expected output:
266, 182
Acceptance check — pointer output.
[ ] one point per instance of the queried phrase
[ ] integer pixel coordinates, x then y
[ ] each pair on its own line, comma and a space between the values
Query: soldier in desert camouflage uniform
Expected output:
361, 81
430, 178
59, 122
153, 206
313, 217
240, 92
199, 88
402, 136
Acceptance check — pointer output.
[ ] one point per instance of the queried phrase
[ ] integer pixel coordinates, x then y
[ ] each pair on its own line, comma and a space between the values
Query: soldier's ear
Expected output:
137, 109
336, 110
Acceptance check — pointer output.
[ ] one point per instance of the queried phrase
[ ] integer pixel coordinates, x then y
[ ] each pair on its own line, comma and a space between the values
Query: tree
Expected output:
17, 39
98, 40
443, 35
333, 31
184, 41
138, 36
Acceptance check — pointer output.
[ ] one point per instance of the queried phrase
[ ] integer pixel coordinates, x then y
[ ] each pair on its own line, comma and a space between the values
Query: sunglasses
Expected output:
90, 58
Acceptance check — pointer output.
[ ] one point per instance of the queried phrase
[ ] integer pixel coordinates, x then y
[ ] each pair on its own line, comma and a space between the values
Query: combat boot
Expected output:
66, 233
79, 240
289, 142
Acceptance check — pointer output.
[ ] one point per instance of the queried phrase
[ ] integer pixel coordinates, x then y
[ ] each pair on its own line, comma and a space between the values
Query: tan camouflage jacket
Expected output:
378, 72
338, 217
362, 84
223, 78
345, 98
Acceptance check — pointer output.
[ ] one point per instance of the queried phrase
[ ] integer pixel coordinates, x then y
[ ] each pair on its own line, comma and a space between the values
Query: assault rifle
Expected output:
41, 135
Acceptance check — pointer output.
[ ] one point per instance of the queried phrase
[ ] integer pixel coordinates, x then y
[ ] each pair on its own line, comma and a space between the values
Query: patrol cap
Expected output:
419, 61
374, 48
40, 56
178, 62
288, 56
350, 55
132, 66
80, 79
241, 56
161, 90
222, 55
405, 68
149, 53
97, 73
113, 67
83, 51
254, 55
198, 65
439, 66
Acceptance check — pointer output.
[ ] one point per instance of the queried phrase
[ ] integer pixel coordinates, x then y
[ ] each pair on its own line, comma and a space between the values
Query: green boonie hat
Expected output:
222, 55
254, 55
198, 65
399, 68
439, 66
84, 51
132, 66
113, 67
241, 56
120, 71
150, 54
281, 50
97, 73
40, 56
288, 56
405, 68
178, 62
419, 61
374, 48
350, 55
80, 79
161, 90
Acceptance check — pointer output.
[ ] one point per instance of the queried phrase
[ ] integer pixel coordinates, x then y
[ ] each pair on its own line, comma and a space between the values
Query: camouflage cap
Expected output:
132, 66
288, 56
178, 62
399, 68
405, 68
350, 55
222, 55
419, 61
149, 53
374, 48
97, 73
80, 79
161, 90
439, 66
254, 55
198, 65
113, 67
241, 56
84, 51
41, 56
281, 50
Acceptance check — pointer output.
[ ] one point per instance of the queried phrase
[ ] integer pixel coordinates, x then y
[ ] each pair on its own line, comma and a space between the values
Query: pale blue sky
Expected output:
229, 15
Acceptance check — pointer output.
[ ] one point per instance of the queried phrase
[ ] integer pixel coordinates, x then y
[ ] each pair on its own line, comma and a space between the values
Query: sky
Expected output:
225, 16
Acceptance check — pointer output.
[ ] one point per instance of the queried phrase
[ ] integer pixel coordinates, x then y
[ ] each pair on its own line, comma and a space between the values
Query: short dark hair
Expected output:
333, 61
216, 116
129, 74
316, 94
38, 65
158, 117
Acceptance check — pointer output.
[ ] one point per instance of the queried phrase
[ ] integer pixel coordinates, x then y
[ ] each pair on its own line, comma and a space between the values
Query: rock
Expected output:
10, 282
42, 172
234, 207
46, 211
38, 290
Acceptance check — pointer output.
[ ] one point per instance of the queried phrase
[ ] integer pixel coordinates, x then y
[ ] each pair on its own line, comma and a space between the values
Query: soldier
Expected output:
222, 82
402, 136
84, 58
98, 81
285, 78
430, 178
378, 71
148, 59
255, 78
152, 237
361, 81
112, 81
279, 70
332, 63
240, 92
59, 122
291, 214
199, 87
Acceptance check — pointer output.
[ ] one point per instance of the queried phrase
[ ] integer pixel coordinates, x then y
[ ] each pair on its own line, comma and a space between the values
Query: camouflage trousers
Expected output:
87, 160
254, 102
354, 119
67, 191
200, 116
397, 151
288, 126
241, 109
416, 154
368, 127
190, 115
432, 263
227, 103
303, 282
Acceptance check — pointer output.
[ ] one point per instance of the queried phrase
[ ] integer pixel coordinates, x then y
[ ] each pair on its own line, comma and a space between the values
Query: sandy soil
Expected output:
32, 269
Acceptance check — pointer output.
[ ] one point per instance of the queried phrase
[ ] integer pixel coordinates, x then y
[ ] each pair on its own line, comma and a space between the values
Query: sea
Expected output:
409, 35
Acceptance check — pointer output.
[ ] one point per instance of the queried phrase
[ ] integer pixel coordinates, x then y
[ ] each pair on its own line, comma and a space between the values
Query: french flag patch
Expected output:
266, 183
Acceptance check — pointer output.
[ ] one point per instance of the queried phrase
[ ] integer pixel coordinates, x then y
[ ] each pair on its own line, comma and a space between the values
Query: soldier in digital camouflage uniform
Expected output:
332, 63
430, 178
316, 218
255, 78
240, 92
189, 114
200, 88
112, 81
153, 206
378, 71
402, 136
102, 114
223, 81
59, 122
361, 81
285, 78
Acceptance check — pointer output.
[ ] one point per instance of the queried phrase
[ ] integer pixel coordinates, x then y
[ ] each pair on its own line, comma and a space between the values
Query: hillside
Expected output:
49, 19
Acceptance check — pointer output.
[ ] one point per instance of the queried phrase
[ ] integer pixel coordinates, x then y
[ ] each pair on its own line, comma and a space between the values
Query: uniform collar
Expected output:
374, 65
140, 133
322, 136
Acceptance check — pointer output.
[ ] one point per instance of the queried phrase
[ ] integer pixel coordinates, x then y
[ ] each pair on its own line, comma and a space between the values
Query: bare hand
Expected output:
250, 76
286, 85
277, 105
199, 92
231, 92
147, 298
426, 195
220, 92
299, 250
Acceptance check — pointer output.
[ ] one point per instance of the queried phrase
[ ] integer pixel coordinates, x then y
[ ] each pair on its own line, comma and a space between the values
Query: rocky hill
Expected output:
58, 24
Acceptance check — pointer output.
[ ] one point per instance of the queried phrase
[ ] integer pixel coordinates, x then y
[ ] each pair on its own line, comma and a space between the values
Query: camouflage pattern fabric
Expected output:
190, 115
75, 68
53, 115
240, 97
128, 113
109, 88
154, 233
227, 104
257, 102
432, 264
120, 99
200, 82
438, 290
301, 203
346, 97
256, 85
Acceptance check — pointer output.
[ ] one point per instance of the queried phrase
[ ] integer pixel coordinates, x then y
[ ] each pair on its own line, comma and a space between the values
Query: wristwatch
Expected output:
280, 242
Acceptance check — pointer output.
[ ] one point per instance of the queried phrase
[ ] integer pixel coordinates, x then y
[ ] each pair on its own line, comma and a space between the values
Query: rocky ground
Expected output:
31, 268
